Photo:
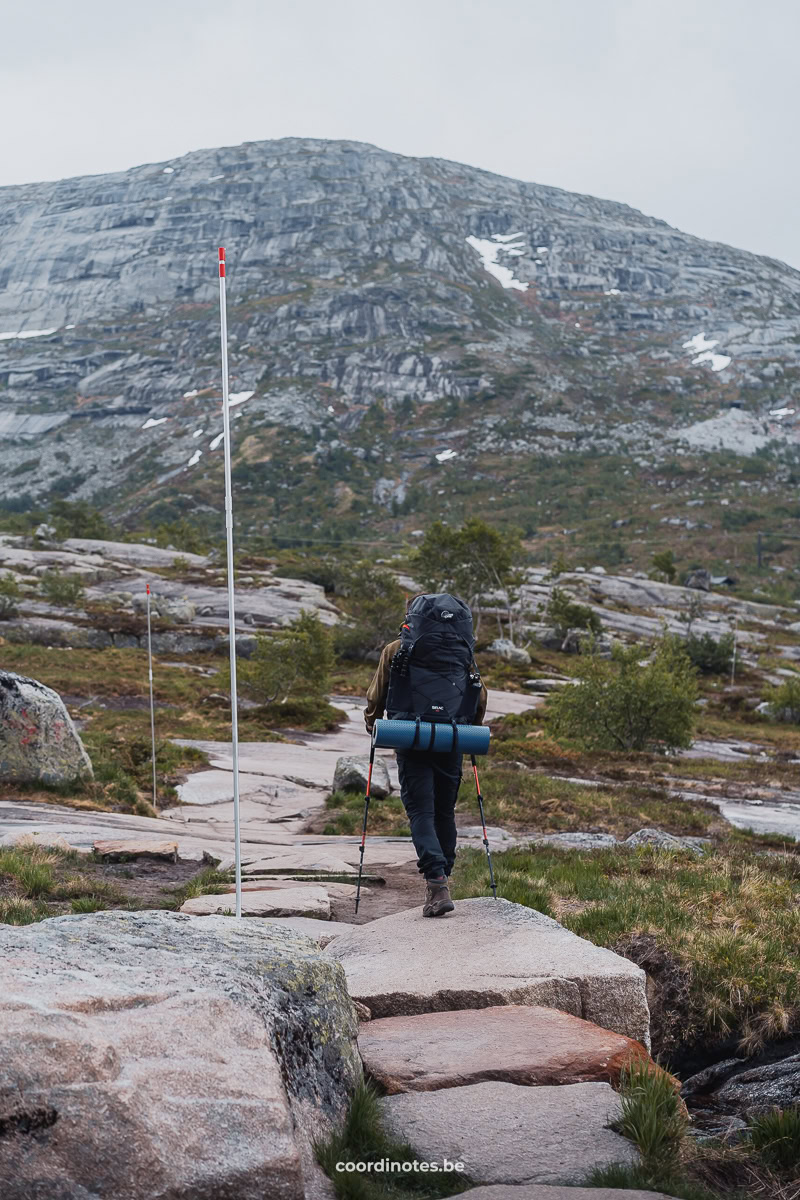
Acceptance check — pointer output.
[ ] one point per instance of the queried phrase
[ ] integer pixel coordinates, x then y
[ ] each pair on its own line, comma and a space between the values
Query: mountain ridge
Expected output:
385, 311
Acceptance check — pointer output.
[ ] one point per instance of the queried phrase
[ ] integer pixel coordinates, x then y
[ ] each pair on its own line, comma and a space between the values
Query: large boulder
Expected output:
504, 648
154, 1054
489, 952
504, 1133
38, 741
350, 775
767, 1086
699, 579
513, 1043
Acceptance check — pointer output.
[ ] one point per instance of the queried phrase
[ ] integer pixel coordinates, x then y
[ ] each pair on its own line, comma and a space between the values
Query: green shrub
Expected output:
564, 614
9, 595
776, 1136
58, 588
784, 701
664, 566
710, 656
295, 661
628, 704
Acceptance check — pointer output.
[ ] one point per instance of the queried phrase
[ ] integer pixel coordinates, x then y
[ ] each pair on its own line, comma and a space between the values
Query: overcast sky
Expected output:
687, 109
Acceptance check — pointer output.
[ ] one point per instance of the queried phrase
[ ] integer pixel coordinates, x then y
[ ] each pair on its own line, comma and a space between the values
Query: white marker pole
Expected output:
226, 425
733, 660
152, 707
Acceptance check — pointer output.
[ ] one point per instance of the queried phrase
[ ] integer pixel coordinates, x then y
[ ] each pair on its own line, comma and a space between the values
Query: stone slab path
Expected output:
513, 1043
504, 1133
489, 952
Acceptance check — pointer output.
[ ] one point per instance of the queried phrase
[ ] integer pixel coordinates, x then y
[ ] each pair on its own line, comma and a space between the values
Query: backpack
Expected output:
432, 676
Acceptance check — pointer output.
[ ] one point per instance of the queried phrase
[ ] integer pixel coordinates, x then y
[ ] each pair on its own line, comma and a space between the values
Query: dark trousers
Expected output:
428, 788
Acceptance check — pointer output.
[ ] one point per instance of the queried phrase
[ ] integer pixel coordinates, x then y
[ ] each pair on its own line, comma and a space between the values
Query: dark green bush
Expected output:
296, 661
710, 656
627, 703
784, 701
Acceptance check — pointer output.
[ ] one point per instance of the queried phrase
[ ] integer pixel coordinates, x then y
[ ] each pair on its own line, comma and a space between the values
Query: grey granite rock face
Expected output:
352, 279
38, 741
154, 1054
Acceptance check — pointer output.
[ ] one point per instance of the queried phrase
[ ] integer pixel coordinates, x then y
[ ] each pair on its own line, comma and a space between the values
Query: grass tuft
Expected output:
653, 1115
87, 904
346, 814
363, 1139
776, 1138
208, 882
19, 911
668, 1181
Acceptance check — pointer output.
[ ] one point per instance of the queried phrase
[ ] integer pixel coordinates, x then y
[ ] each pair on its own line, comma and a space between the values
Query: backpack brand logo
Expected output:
446, 614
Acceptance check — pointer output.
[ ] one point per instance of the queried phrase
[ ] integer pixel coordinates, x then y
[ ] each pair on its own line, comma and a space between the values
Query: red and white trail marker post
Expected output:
226, 425
152, 707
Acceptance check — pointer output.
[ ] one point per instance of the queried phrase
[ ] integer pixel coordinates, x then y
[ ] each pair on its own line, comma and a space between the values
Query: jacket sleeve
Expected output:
481, 710
378, 689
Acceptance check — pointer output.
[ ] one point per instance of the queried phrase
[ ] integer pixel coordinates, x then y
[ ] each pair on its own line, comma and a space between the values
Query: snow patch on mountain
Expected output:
490, 248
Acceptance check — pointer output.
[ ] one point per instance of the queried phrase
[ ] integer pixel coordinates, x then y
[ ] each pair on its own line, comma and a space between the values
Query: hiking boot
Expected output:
437, 898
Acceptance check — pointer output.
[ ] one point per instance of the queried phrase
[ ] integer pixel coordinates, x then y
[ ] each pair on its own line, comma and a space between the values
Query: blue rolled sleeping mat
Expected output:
424, 735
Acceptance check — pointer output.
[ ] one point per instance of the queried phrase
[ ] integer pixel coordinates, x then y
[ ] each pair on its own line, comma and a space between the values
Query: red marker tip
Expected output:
222, 254
148, 588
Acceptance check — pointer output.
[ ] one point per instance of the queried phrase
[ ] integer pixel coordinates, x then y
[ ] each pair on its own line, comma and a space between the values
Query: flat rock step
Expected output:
276, 902
322, 932
135, 848
535, 1191
512, 1043
489, 952
504, 1133
337, 891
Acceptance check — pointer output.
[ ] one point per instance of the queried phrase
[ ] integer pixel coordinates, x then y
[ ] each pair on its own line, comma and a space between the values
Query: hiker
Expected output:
429, 674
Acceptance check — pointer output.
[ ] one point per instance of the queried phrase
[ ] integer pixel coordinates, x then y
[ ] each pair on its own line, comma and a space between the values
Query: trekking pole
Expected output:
226, 425
493, 885
152, 709
364, 826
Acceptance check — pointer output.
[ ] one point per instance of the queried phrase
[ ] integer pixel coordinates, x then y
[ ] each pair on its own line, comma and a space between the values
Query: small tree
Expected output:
564, 614
664, 568
375, 603
61, 589
296, 661
784, 701
627, 704
470, 561
9, 595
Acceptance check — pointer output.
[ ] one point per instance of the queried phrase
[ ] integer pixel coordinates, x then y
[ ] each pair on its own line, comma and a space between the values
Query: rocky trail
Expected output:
494, 974
496, 1035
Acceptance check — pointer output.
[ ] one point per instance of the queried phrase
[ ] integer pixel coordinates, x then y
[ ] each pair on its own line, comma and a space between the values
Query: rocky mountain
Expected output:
406, 336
